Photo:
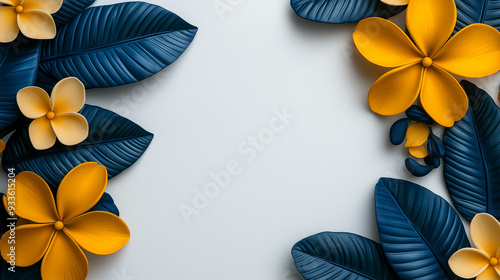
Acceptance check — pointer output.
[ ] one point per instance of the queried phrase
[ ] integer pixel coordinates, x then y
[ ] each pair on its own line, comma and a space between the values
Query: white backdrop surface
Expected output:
312, 171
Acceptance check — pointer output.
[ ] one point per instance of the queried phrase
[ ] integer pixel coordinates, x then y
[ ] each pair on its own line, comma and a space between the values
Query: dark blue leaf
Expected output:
397, 133
419, 230
106, 204
435, 146
21, 273
115, 45
341, 256
342, 11
432, 161
69, 10
18, 70
471, 163
113, 141
416, 169
477, 11
418, 114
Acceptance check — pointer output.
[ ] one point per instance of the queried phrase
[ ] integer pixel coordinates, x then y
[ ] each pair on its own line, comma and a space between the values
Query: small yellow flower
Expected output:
482, 262
55, 117
395, 2
416, 136
423, 67
32, 17
61, 227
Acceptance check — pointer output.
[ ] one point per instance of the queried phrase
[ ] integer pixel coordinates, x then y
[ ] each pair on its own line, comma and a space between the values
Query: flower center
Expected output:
19, 9
51, 115
427, 61
58, 225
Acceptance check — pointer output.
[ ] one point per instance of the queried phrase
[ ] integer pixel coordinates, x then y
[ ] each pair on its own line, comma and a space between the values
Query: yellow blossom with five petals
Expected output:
483, 261
56, 116
424, 67
32, 17
61, 227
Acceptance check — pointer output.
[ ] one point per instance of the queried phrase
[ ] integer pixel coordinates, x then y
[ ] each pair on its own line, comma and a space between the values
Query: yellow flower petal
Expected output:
442, 97
70, 128
68, 96
8, 24
50, 6
416, 135
419, 151
31, 243
384, 43
34, 199
395, 2
396, 90
2, 146
64, 260
431, 23
98, 232
485, 233
10, 2
42, 134
488, 274
37, 24
80, 189
473, 52
469, 262
33, 102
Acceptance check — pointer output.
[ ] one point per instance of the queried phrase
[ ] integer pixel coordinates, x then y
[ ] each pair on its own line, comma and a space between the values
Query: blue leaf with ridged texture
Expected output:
107, 204
341, 256
21, 273
113, 141
69, 10
472, 158
115, 45
418, 229
342, 11
18, 69
477, 11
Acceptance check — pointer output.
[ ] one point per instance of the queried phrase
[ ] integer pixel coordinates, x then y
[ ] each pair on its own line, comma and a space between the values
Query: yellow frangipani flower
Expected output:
482, 262
423, 67
62, 226
32, 17
395, 2
55, 117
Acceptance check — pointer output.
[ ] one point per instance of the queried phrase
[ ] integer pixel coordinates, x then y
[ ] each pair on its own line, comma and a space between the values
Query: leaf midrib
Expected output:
82, 146
483, 11
111, 45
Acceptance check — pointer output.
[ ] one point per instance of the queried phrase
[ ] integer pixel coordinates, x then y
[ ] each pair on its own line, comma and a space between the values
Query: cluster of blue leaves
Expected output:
435, 146
418, 229
103, 47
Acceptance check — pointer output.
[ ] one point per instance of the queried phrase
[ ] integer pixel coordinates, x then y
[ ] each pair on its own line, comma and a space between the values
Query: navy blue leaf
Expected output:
435, 146
477, 11
432, 161
21, 273
419, 230
416, 169
18, 70
69, 10
341, 256
113, 141
115, 45
397, 133
106, 204
342, 11
418, 114
471, 163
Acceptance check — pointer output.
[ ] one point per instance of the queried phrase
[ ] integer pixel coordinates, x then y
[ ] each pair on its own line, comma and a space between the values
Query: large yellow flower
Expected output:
32, 17
61, 227
55, 117
481, 262
423, 67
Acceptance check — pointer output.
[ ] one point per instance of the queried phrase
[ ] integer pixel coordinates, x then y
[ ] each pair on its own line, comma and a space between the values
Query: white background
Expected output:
318, 174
